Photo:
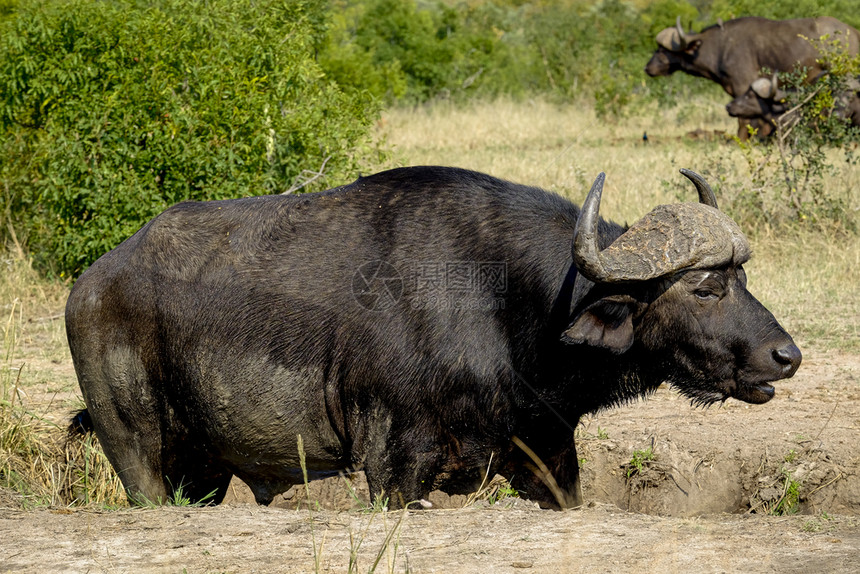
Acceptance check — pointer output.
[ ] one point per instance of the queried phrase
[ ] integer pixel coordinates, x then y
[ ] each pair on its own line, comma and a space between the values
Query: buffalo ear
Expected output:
606, 323
692, 46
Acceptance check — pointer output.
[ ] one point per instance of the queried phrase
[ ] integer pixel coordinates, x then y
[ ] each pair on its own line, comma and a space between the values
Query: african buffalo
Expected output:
734, 53
418, 324
766, 100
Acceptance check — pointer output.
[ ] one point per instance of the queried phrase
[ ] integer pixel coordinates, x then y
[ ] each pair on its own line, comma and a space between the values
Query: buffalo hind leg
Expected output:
140, 475
196, 487
124, 413
193, 475
136, 458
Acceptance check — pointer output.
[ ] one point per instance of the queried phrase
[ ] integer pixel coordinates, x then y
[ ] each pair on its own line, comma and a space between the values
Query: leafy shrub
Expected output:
845, 10
590, 48
112, 111
639, 461
406, 51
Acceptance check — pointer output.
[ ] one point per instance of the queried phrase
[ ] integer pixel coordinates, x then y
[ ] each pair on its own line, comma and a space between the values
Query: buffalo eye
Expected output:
707, 286
705, 294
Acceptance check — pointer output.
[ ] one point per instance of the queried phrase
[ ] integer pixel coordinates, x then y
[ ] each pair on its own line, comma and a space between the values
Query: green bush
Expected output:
112, 111
403, 50
412, 51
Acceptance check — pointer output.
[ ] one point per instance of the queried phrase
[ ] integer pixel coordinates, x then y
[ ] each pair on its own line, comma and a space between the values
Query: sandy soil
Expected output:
600, 538
699, 505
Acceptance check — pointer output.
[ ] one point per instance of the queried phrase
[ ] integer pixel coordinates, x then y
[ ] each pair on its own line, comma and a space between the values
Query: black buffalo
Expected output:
417, 324
766, 100
734, 53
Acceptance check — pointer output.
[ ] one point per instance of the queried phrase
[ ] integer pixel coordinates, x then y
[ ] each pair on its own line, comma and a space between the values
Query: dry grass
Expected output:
810, 281
37, 463
560, 148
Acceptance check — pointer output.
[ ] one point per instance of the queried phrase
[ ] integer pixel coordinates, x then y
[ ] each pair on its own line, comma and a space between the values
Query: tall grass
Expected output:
27, 451
38, 466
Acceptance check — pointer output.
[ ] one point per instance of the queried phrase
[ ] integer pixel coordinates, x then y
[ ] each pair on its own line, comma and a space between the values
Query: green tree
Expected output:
403, 50
112, 111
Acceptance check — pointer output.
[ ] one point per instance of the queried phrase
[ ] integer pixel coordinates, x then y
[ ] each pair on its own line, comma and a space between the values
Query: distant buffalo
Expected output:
766, 100
735, 53
426, 325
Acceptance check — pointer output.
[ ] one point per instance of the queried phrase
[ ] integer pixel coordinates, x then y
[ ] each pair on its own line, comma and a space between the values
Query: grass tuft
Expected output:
639, 461
37, 462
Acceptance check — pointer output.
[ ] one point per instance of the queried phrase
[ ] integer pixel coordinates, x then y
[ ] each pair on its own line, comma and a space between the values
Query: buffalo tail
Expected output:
81, 423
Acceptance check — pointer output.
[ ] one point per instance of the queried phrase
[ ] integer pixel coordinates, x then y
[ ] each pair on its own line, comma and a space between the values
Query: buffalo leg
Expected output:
135, 454
128, 428
550, 479
403, 478
195, 475
400, 467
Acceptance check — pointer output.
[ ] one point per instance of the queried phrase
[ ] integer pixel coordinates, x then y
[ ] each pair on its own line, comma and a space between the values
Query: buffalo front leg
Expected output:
403, 478
398, 464
551, 479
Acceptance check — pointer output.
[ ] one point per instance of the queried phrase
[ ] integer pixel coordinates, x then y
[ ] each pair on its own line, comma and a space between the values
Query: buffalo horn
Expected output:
763, 88
706, 194
585, 249
667, 239
682, 38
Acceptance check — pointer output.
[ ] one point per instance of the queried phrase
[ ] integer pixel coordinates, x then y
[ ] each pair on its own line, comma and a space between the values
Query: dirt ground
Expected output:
699, 504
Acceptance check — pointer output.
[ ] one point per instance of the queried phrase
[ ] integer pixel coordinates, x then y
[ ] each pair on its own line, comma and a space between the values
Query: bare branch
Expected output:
306, 177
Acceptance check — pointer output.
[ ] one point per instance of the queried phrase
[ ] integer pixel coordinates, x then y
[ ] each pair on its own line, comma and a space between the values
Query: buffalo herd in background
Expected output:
744, 55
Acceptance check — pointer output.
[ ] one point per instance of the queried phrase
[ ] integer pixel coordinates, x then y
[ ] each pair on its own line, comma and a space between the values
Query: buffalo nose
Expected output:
789, 357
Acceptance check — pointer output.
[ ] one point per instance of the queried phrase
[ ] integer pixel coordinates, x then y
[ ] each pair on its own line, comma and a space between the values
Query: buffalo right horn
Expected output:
682, 38
586, 253
763, 88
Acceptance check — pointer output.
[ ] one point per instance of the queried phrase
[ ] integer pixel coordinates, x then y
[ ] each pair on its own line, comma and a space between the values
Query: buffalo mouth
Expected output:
757, 393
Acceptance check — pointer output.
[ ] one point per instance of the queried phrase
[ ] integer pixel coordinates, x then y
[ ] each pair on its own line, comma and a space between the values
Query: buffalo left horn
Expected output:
668, 239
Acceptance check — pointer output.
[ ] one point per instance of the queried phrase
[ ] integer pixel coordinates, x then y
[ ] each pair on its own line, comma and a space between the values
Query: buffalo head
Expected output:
662, 63
671, 291
674, 47
763, 99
